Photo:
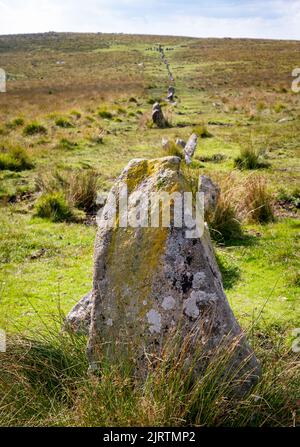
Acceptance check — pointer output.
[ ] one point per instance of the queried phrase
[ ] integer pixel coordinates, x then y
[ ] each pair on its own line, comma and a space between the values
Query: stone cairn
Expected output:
150, 283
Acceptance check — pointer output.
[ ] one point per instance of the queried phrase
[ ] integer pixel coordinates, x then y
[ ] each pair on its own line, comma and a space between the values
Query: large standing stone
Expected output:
150, 282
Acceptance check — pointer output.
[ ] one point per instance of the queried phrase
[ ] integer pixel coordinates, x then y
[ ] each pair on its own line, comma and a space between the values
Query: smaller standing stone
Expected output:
211, 193
171, 93
165, 143
180, 143
190, 148
158, 116
79, 319
2, 81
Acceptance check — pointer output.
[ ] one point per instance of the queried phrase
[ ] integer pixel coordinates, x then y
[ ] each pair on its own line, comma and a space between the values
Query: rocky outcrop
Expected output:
152, 282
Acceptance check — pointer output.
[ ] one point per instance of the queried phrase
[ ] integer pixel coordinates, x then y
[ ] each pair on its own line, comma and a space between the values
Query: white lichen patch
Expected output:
168, 303
190, 307
199, 280
200, 296
154, 319
109, 322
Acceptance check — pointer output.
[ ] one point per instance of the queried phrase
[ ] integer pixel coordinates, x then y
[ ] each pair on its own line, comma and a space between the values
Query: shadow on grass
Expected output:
246, 240
231, 274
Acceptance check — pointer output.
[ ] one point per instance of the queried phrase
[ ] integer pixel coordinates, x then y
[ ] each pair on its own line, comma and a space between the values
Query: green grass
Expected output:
31, 275
15, 159
268, 263
46, 266
34, 129
64, 123
53, 206
105, 114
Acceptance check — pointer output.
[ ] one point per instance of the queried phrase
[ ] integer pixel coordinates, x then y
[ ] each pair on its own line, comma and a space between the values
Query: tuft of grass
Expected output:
53, 206
104, 113
191, 174
260, 106
223, 221
34, 128
291, 198
201, 131
17, 122
121, 110
15, 159
279, 107
174, 150
43, 382
64, 123
81, 189
67, 144
214, 158
76, 114
249, 158
152, 101
257, 202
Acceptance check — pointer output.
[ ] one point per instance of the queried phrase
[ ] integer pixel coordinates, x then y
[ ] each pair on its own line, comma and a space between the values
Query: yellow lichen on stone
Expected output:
144, 169
135, 254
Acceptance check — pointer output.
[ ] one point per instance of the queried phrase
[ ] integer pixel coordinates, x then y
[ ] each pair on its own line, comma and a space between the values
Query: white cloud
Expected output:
269, 19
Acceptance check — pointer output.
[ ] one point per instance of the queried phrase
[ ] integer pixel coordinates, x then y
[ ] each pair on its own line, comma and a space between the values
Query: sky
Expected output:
271, 19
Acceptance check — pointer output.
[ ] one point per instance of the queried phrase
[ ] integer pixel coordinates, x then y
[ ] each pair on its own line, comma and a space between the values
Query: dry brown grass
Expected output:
256, 202
79, 187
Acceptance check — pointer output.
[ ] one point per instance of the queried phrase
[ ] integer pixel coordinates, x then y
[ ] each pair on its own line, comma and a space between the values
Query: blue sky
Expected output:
275, 19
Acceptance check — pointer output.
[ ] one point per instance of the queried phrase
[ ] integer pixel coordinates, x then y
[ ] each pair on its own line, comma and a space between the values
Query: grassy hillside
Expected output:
78, 106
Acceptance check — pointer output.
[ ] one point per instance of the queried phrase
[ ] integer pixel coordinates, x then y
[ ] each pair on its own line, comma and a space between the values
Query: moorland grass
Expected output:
54, 207
34, 129
44, 381
14, 158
